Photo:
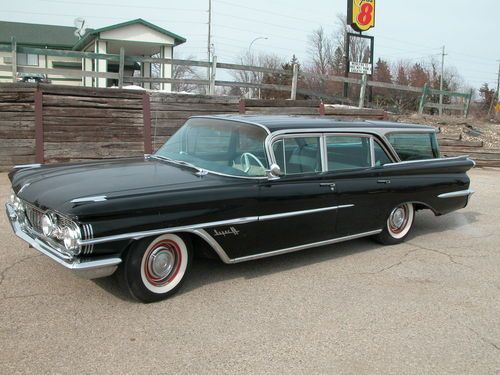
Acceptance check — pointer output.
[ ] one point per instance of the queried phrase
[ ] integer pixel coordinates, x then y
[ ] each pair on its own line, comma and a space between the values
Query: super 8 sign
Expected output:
361, 14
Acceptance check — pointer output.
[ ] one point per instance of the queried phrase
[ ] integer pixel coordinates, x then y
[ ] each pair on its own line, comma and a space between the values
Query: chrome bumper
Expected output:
89, 269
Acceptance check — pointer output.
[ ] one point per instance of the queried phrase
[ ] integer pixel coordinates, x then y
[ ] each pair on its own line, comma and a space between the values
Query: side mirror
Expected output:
274, 171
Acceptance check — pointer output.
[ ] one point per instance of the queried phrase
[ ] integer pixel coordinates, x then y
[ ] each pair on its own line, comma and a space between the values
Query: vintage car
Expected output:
238, 188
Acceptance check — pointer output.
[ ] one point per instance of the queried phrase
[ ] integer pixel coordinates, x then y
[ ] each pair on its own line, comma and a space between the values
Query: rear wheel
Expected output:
154, 269
398, 225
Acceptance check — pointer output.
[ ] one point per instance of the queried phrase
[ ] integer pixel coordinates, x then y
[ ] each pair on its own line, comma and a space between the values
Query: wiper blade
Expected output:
200, 171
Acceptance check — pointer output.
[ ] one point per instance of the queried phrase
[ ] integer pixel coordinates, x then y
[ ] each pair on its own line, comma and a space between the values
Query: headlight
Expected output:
16, 202
49, 224
71, 235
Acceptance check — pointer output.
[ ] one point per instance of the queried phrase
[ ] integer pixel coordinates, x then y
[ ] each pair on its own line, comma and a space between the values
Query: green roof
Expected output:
33, 34
91, 33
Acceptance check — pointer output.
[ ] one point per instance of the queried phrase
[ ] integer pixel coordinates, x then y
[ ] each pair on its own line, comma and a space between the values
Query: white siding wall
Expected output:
137, 33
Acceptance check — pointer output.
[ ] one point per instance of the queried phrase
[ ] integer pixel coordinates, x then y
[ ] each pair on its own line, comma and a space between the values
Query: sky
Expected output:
409, 30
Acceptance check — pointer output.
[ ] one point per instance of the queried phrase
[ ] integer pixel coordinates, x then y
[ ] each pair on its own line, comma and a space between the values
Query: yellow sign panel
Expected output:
497, 107
361, 14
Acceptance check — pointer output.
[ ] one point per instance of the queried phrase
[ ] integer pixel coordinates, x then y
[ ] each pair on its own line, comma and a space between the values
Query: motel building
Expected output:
137, 37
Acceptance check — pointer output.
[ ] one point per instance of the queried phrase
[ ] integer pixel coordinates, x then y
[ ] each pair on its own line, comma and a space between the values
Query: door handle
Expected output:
331, 185
383, 181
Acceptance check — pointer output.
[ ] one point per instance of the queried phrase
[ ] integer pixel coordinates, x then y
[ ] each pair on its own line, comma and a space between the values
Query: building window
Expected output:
23, 59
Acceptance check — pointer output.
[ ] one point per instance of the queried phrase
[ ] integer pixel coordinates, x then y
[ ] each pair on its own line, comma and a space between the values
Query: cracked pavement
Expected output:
428, 306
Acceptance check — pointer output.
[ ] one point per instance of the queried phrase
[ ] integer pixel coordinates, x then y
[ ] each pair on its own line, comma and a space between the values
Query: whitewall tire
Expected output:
398, 224
154, 269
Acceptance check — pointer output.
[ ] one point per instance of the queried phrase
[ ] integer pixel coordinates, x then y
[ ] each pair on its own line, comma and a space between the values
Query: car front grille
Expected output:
34, 216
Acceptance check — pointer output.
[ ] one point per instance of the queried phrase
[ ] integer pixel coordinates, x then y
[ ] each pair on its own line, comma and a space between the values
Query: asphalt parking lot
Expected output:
429, 306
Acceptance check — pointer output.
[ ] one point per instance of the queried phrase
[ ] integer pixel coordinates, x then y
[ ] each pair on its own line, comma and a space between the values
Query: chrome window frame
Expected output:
322, 134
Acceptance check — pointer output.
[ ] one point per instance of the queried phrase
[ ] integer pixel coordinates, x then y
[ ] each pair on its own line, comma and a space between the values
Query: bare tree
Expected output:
320, 51
269, 61
179, 72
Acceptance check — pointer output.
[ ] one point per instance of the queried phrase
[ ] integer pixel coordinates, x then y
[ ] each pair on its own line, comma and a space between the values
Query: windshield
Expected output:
222, 146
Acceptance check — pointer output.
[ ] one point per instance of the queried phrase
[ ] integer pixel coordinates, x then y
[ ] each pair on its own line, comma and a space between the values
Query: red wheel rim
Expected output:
396, 225
162, 262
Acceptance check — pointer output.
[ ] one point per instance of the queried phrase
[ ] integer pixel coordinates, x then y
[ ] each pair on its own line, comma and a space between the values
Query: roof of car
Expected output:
276, 123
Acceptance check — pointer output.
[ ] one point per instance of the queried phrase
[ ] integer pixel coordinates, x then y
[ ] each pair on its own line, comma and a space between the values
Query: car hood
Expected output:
56, 186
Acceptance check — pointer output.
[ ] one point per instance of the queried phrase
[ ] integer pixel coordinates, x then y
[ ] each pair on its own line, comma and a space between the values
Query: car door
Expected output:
354, 164
300, 207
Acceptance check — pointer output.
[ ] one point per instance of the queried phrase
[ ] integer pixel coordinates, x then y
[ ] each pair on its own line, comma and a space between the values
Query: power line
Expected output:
268, 12
90, 17
261, 22
122, 5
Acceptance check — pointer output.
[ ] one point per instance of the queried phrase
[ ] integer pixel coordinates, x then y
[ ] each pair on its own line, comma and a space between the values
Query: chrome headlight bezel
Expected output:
62, 230
71, 235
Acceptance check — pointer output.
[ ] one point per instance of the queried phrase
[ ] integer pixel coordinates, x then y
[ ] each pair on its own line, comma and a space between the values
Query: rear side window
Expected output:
348, 152
414, 146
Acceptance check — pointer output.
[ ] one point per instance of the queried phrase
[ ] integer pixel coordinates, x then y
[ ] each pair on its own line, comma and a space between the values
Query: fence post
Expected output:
423, 99
467, 105
14, 59
321, 108
242, 106
362, 91
295, 78
121, 67
211, 89
39, 141
146, 117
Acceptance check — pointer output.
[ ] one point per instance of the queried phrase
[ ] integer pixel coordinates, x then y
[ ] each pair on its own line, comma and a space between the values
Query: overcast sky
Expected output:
414, 30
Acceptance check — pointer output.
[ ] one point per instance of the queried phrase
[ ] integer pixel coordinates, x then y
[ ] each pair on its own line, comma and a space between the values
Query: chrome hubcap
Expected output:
161, 262
398, 217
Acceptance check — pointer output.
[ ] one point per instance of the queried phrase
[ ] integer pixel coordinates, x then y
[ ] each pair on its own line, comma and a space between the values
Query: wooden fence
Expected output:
49, 123
213, 66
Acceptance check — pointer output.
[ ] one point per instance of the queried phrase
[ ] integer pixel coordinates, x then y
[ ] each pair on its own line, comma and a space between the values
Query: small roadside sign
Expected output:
360, 68
497, 107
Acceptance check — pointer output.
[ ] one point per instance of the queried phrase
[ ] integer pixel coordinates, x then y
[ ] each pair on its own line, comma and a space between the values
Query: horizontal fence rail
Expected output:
294, 75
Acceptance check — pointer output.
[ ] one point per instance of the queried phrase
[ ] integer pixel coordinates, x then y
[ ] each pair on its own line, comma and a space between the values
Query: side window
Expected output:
298, 155
381, 157
414, 146
348, 152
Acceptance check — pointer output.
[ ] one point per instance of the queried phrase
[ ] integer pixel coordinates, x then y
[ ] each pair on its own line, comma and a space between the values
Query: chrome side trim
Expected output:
427, 160
213, 243
193, 227
455, 194
97, 198
88, 269
88, 234
22, 166
305, 212
157, 232
303, 247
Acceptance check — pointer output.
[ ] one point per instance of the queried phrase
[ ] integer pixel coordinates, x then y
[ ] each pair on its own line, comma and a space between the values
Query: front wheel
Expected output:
398, 225
154, 269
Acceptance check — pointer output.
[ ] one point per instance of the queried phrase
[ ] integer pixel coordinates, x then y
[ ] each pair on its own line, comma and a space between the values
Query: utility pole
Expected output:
441, 83
209, 44
496, 97
498, 82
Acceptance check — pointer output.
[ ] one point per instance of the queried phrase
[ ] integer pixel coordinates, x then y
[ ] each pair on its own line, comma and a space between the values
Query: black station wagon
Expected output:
238, 188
